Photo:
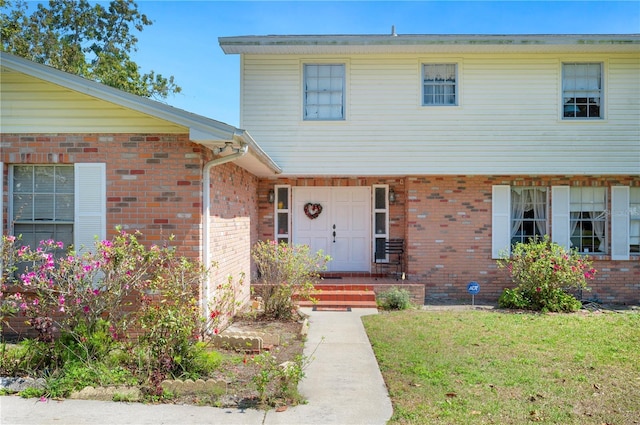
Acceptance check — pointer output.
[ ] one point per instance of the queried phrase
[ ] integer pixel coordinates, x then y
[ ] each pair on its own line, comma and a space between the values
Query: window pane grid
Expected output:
439, 84
324, 92
582, 90
43, 194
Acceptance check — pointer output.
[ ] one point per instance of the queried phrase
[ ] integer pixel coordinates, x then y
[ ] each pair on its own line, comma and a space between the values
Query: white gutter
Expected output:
206, 200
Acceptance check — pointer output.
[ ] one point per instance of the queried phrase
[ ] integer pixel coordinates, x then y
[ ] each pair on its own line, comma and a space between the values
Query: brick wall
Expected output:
233, 225
446, 221
154, 184
449, 237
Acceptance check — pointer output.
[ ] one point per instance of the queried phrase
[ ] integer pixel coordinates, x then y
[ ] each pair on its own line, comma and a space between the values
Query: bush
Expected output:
394, 299
123, 305
543, 272
286, 271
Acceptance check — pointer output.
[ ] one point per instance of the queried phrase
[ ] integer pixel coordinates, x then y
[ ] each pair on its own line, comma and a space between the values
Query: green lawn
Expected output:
475, 367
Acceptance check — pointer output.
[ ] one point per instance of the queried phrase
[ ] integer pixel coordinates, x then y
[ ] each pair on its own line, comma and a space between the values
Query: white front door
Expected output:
342, 229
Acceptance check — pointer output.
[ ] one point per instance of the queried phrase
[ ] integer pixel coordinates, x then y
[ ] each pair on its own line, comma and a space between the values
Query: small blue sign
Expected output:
473, 288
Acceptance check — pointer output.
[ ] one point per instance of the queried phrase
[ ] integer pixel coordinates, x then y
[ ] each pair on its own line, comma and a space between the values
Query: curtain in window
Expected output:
440, 84
582, 80
526, 199
592, 201
597, 224
539, 201
517, 210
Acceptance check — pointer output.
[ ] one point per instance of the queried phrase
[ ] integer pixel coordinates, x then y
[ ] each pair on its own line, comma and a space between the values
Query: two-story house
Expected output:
460, 145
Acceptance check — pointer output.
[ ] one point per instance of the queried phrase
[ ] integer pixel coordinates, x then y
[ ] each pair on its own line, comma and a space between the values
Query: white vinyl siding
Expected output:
90, 205
31, 105
508, 122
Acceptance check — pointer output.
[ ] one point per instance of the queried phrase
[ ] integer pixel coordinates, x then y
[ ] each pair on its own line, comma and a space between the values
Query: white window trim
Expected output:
375, 210
276, 232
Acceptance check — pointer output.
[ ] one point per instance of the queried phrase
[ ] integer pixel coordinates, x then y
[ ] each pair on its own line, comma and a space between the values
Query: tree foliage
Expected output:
90, 40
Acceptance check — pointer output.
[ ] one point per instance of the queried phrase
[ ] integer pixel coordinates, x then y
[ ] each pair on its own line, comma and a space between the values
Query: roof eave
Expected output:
380, 44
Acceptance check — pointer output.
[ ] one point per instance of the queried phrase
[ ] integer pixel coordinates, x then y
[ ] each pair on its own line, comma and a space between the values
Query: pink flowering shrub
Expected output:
544, 272
121, 296
286, 271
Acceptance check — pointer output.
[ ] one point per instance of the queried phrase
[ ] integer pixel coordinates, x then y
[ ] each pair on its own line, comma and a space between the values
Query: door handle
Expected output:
334, 233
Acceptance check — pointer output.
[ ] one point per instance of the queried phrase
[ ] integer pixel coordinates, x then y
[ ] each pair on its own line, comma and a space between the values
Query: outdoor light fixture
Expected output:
392, 196
272, 196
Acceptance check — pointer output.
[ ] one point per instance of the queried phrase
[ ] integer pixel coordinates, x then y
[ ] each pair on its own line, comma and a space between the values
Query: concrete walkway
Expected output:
343, 385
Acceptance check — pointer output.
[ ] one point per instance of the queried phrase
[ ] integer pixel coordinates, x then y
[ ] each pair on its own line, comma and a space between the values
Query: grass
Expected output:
482, 367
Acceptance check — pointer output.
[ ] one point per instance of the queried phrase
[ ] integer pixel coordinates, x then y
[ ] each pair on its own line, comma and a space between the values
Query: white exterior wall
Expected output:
31, 105
508, 120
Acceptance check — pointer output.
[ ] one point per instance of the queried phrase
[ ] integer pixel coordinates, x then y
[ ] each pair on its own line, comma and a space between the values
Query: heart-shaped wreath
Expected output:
312, 210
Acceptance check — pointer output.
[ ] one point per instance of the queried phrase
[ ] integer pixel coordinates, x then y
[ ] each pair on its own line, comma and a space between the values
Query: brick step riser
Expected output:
342, 296
346, 287
339, 304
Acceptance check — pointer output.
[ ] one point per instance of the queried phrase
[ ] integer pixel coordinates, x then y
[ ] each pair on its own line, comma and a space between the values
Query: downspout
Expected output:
206, 200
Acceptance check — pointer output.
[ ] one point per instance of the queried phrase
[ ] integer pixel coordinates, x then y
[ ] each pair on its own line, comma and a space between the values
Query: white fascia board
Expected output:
346, 44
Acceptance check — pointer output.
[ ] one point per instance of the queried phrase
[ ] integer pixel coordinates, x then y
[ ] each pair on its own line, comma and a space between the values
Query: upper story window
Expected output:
440, 84
324, 91
582, 90
42, 203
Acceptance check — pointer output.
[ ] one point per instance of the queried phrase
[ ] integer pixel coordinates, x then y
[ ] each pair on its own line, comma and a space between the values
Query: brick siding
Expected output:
446, 222
154, 184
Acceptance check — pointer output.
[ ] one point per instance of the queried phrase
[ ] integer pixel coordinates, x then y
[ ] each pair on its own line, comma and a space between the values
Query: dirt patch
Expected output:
238, 369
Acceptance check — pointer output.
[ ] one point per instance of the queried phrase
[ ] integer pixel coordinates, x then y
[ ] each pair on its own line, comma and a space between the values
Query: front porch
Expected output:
359, 290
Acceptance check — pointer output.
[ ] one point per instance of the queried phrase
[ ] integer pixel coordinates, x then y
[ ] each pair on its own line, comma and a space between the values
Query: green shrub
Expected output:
85, 309
394, 299
286, 271
275, 381
543, 272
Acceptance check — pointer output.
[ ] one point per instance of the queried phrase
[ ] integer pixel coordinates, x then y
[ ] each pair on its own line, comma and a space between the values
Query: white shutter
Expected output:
620, 223
560, 228
500, 220
90, 205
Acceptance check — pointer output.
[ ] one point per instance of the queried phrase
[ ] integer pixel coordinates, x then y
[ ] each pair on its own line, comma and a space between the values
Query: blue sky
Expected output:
183, 41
